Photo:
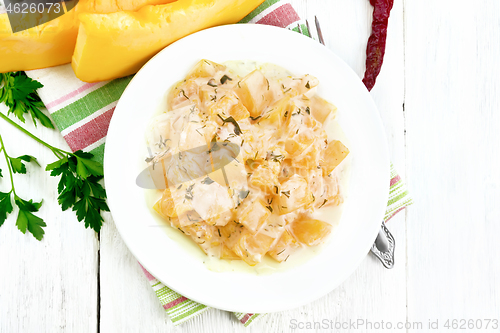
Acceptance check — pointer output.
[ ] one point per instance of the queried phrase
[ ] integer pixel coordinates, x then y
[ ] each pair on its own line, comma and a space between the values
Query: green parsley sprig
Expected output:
78, 188
19, 94
25, 219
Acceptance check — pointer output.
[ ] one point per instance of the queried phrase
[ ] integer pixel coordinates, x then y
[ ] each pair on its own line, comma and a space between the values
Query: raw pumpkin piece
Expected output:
106, 6
334, 153
46, 45
310, 231
294, 194
53, 43
118, 44
285, 246
253, 91
252, 214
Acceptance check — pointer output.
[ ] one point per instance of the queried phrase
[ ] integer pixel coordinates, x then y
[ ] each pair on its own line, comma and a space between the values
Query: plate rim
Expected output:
187, 293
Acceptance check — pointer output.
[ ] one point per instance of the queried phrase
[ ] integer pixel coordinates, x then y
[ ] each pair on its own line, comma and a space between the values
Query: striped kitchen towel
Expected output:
82, 112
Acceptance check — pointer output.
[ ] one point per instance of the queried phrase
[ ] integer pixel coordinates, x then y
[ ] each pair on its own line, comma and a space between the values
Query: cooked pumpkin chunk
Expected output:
252, 214
299, 142
228, 254
228, 106
285, 246
183, 93
334, 154
212, 202
321, 109
309, 158
265, 177
275, 114
294, 194
310, 231
261, 172
251, 248
205, 68
165, 206
254, 93
206, 236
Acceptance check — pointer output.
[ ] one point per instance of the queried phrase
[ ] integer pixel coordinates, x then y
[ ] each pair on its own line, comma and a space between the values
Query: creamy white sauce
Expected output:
331, 214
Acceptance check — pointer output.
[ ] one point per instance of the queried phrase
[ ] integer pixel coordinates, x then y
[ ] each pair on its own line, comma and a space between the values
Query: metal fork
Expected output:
318, 30
384, 245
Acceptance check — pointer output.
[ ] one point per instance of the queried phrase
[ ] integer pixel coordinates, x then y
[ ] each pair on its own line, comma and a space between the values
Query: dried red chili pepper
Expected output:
375, 49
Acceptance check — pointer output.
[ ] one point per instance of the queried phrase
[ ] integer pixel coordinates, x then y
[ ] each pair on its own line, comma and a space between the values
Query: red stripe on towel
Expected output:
280, 17
174, 302
395, 180
70, 95
91, 132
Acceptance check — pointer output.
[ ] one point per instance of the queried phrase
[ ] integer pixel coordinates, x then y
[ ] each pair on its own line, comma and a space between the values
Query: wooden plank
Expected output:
453, 140
372, 292
47, 286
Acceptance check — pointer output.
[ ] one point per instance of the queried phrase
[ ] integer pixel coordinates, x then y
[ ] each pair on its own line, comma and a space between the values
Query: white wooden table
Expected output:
439, 98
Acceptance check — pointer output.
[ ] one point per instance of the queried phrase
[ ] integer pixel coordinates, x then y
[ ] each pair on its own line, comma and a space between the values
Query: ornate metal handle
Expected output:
383, 248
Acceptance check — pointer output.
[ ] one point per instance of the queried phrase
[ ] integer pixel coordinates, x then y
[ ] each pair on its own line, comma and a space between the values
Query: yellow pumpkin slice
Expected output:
49, 44
118, 44
52, 43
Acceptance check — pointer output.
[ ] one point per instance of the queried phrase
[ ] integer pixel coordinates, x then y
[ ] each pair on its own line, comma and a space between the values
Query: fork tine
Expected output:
318, 28
298, 27
308, 29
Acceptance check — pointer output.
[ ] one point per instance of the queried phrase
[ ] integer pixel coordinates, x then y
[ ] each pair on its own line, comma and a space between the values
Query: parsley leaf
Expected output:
5, 206
18, 92
86, 166
26, 220
34, 224
17, 163
79, 187
24, 86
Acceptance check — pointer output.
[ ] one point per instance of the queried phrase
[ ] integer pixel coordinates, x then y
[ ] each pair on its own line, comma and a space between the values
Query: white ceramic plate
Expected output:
179, 269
